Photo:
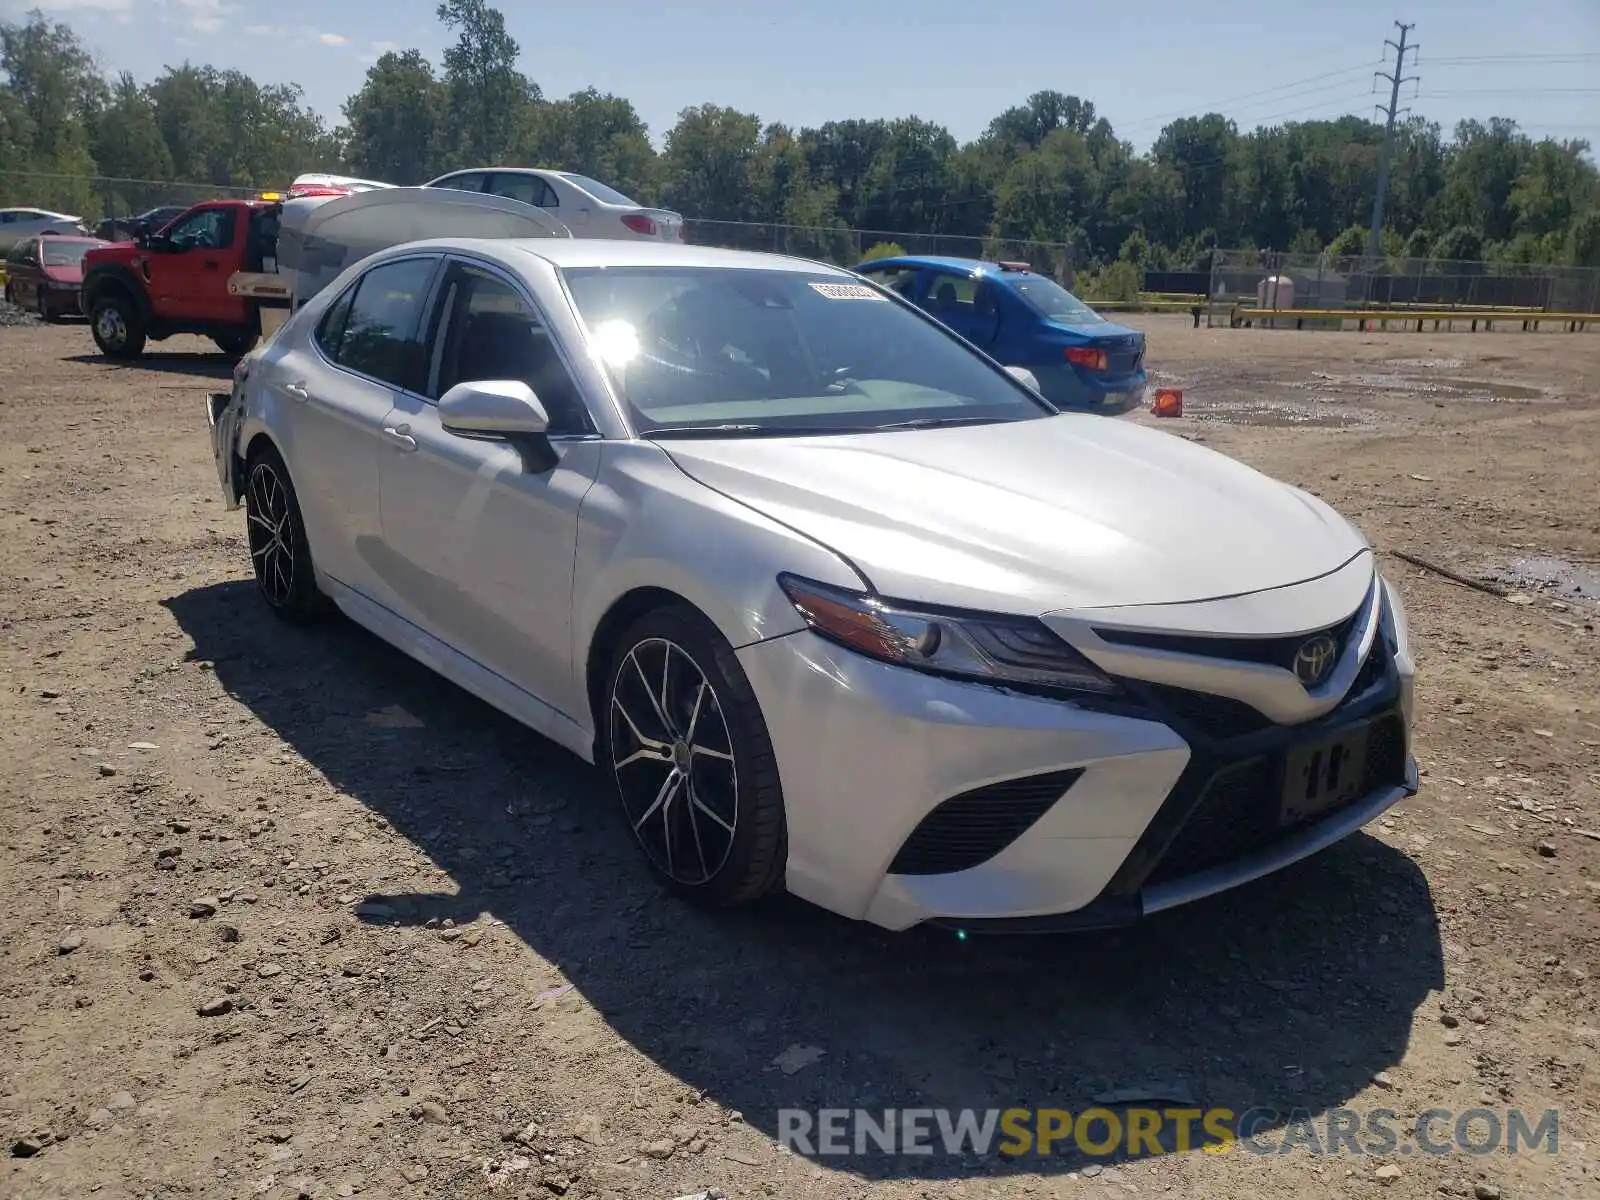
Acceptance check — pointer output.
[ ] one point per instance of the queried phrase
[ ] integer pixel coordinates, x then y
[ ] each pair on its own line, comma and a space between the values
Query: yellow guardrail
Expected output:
1447, 317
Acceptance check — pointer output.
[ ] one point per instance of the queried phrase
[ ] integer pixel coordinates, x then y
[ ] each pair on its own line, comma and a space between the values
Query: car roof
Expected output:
970, 265
566, 253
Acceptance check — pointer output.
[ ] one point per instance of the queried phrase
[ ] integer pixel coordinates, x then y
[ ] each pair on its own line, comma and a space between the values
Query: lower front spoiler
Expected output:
1112, 912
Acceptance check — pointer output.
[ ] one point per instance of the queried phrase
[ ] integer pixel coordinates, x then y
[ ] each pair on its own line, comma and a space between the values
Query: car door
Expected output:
533, 189
190, 266
965, 303
336, 388
24, 272
479, 537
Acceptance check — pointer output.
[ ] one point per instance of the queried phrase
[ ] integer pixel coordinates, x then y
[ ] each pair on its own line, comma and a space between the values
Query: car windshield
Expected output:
708, 351
59, 252
597, 189
1053, 302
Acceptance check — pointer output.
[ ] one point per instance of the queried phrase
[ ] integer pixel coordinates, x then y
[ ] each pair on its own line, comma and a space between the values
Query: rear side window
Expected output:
529, 189
374, 328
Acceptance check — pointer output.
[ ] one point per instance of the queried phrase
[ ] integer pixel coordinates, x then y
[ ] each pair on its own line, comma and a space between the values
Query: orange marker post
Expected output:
1168, 402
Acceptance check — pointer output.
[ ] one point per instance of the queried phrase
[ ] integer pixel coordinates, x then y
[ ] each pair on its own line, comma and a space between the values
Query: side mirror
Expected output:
159, 244
1025, 377
493, 408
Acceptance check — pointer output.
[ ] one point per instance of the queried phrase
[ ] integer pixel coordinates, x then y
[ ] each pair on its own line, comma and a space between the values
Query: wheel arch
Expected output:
623, 611
105, 281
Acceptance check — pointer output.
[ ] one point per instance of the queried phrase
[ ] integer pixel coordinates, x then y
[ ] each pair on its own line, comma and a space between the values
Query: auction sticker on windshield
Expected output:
849, 291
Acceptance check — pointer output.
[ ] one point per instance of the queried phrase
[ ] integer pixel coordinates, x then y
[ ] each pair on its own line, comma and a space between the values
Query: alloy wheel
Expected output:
672, 755
271, 533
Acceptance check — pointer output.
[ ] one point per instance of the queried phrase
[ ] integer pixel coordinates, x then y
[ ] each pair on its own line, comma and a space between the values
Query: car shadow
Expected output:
1288, 994
211, 366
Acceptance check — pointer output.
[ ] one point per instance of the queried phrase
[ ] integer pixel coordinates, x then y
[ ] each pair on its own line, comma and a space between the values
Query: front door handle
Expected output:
298, 391
400, 437
210, 264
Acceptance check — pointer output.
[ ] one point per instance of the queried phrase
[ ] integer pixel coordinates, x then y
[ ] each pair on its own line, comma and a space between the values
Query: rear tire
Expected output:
280, 554
236, 345
118, 327
691, 761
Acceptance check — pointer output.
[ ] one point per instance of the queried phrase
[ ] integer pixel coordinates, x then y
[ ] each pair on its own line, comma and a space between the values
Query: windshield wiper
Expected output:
935, 423
672, 431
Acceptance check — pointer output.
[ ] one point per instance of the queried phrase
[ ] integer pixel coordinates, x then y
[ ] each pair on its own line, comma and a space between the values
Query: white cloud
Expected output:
332, 39
204, 16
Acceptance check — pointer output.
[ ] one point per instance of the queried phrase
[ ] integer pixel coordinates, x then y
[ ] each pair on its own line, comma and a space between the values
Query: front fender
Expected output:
646, 524
120, 276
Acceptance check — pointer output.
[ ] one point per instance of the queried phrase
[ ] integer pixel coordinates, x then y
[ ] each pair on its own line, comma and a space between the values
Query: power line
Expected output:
1572, 91
1191, 110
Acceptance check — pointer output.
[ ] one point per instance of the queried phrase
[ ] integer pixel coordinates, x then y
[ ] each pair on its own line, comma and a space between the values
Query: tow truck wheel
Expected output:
235, 345
117, 326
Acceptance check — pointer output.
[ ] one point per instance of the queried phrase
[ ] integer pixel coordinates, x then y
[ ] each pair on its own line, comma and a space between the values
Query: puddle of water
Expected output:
1549, 574
1428, 364
1471, 390
1494, 388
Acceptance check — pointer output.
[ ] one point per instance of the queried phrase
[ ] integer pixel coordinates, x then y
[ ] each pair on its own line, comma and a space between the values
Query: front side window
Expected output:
467, 181
751, 352
487, 331
378, 334
210, 229
1054, 303
897, 279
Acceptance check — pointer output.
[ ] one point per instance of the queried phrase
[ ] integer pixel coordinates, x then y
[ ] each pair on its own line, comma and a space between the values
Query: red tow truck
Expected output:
220, 271
177, 281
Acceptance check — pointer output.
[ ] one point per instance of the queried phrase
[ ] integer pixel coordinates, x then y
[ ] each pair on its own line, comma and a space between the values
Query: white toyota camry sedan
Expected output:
836, 603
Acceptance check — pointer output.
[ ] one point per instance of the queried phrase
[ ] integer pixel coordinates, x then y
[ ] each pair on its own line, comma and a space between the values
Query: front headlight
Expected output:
982, 646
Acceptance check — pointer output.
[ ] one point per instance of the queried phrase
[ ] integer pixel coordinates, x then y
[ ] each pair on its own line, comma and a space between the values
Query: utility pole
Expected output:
1375, 241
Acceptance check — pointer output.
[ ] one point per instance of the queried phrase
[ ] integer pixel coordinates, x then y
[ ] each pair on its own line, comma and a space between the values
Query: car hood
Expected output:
1069, 511
64, 274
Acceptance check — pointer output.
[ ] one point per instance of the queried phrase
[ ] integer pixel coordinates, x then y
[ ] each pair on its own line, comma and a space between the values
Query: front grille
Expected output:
971, 828
1212, 715
1270, 651
1237, 810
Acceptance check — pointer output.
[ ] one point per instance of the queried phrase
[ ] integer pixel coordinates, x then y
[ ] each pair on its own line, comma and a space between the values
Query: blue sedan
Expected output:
1023, 319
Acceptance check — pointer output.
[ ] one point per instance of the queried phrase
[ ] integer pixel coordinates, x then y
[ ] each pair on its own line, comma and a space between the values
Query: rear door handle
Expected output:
400, 437
298, 391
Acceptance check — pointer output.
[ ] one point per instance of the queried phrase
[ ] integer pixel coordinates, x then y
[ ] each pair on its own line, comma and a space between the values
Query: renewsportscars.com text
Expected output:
1135, 1132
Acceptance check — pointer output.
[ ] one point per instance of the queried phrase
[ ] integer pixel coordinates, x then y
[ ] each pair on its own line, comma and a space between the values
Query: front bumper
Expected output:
1134, 811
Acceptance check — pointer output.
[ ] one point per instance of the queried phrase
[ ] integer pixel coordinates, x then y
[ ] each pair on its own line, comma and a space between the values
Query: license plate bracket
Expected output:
1324, 774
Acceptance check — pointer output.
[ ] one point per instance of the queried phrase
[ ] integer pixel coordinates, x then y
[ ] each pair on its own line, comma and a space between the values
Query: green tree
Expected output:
486, 95
593, 134
706, 163
1459, 244
392, 123
54, 94
1583, 240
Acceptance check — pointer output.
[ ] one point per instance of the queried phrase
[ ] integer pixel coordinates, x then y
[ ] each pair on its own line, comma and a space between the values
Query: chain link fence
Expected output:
845, 246
1270, 279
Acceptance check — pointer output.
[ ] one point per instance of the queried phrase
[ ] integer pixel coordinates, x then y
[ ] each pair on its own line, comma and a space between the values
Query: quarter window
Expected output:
951, 294
487, 331
377, 333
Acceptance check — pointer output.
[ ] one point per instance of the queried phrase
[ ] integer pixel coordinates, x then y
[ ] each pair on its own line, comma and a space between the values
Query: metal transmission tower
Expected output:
1375, 241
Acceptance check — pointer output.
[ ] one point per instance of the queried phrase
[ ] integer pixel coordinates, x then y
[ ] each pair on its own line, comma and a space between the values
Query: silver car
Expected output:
19, 223
836, 603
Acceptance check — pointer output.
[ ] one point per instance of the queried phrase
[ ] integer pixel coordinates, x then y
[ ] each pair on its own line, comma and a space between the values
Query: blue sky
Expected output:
958, 62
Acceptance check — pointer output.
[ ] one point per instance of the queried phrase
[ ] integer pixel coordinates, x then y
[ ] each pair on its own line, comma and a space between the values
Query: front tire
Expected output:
280, 554
691, 761
118, 328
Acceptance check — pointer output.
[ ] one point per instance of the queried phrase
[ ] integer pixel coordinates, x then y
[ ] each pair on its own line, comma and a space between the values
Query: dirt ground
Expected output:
287, 916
